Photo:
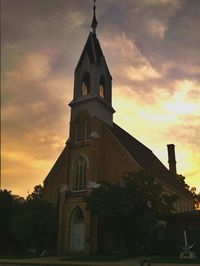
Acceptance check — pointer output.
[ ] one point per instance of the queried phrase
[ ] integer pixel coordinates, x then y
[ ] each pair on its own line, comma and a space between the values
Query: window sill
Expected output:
76, 193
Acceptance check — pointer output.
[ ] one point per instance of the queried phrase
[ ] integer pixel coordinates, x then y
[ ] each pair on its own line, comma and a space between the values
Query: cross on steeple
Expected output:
94, 20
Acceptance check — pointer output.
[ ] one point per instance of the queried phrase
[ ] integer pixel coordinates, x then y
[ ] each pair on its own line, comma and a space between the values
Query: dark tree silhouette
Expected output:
131, 208
6, 210
27, 223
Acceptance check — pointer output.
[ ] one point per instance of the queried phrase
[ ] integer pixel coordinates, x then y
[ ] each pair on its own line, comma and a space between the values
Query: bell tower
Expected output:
92, 81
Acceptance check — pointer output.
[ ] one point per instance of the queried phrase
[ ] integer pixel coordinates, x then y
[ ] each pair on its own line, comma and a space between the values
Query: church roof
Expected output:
93, 49
59, 166
146, 158
138, 151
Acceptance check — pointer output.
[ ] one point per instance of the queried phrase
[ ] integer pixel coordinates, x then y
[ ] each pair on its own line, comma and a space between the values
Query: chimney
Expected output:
171, 158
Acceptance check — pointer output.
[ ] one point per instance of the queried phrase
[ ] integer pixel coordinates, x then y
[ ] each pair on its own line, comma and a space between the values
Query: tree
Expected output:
132, 207
196, 197
192, 190
181, 180
36, 194
6, 210
27, 223
35, 224
197, 201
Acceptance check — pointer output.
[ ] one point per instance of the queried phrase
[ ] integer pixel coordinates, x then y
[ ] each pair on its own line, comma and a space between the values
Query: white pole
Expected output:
185, 238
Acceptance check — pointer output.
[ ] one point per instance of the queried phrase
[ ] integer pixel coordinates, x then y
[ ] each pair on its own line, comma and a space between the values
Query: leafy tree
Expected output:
6, 210
181, 180
196, 197
36, 194
35, 224
192, 190
131, 208
27, 223
197, 201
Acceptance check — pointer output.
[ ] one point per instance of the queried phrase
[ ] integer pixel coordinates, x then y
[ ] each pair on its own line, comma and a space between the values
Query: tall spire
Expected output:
94, 20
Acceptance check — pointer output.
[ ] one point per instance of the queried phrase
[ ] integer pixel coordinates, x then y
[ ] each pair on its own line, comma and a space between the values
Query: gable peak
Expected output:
93, 49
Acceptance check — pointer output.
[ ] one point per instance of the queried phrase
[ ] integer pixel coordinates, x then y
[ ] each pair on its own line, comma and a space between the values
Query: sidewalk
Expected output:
54, 261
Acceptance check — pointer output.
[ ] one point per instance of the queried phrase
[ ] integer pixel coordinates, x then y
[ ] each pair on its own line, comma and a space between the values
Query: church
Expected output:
98, 149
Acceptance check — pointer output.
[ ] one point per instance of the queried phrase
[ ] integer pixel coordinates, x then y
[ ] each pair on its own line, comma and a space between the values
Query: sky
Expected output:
152, 48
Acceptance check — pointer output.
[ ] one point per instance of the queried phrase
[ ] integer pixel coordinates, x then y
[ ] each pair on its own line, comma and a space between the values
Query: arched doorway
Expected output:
77, 240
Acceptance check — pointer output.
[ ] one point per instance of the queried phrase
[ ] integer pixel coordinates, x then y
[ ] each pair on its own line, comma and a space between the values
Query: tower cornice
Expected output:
91, 98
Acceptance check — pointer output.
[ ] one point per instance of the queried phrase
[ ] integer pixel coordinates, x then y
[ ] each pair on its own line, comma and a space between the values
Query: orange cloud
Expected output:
151, 54
141, 73
157, 28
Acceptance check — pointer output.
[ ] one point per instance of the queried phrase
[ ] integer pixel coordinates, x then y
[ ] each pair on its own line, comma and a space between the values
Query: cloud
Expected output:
33, 120
151, 48
129, 63
142, 73
172, 118
156, 28
182, 102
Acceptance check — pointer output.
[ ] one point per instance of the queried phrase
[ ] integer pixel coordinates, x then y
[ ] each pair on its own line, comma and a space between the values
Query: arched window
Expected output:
102, 87
80, 173
77, 131
85, 85
78, 215
86, 129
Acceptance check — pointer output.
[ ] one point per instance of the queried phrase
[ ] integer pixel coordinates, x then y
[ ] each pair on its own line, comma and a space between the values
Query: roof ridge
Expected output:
93, 48
57, 164
130, 136
145, 157
81, 56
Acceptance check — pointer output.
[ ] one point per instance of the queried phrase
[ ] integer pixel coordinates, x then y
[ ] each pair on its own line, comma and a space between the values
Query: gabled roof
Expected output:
93, 49
139, 152
146, 158
60, 165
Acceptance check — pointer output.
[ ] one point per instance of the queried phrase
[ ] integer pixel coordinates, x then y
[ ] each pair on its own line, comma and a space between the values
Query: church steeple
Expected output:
94, 20
92, 81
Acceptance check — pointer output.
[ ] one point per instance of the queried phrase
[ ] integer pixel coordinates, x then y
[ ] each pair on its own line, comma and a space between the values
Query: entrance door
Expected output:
78, 237
78, 230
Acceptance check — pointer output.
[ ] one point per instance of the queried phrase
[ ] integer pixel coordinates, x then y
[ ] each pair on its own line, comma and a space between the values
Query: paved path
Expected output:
54, 261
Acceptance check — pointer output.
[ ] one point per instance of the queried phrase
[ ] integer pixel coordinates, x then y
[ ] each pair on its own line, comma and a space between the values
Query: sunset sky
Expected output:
152, 48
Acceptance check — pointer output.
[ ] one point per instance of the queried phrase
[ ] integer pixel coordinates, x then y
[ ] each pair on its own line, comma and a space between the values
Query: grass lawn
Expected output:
109, 257
17, 256
175, 260
118, 257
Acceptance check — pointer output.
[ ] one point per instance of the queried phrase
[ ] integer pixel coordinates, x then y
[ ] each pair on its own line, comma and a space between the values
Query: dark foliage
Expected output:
131, 208
36, 194
196, 197
6, 210
27, 223
192, 190
36, 226
181, 180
